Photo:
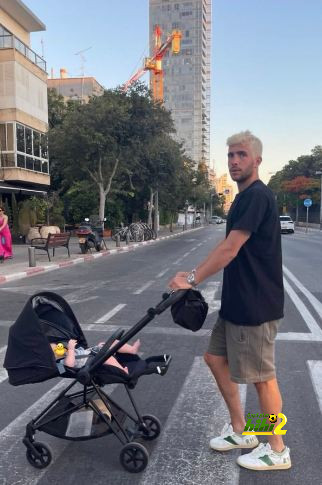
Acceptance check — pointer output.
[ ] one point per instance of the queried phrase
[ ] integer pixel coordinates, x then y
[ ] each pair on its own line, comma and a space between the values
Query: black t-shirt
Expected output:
253, 290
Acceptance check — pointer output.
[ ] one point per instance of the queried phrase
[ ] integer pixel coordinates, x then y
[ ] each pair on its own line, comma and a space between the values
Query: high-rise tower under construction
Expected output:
187, 75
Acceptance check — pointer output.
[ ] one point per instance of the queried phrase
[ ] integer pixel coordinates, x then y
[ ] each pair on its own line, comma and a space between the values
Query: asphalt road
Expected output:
116, 292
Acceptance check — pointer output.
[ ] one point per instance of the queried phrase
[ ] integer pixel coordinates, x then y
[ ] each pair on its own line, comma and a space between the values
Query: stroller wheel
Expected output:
152, 427
45, 455
134, 457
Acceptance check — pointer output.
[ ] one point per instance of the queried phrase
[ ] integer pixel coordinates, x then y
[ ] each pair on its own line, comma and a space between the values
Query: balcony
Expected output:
10, 41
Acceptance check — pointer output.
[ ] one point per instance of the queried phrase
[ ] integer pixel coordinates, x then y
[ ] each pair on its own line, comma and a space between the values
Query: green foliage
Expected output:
80, 200
298, 180
38, 209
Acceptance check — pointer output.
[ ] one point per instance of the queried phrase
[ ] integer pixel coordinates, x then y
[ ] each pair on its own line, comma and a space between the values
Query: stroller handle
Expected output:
169, 299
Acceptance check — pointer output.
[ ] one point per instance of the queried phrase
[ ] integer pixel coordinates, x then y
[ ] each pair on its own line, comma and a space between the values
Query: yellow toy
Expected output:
60, 350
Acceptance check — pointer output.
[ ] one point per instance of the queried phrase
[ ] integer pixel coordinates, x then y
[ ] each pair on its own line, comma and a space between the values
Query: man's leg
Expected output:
271, 403
229, 389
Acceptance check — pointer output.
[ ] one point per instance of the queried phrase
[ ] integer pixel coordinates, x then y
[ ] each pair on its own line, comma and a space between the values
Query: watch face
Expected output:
191, 278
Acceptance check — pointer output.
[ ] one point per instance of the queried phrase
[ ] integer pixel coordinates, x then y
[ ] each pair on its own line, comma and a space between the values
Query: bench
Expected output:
53, 241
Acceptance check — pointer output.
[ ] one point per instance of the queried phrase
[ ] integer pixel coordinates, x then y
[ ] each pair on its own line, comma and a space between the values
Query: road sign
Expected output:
308, 202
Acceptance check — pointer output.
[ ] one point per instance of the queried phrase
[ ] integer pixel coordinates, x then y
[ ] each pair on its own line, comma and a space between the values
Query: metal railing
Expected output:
9, 41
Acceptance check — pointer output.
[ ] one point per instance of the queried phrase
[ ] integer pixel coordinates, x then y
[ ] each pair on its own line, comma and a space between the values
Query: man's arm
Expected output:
217, 259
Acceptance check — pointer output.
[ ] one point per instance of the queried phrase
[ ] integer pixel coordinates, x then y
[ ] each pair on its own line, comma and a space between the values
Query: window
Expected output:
44, 146
10, 138
28, 134
3, 138
21, 161
44, 167
20, 138
29, 163
36, 143
30, 144
6, 137
37, 165
187, 33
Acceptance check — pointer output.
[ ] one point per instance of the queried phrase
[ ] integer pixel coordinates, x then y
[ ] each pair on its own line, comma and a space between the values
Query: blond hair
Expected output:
251, 140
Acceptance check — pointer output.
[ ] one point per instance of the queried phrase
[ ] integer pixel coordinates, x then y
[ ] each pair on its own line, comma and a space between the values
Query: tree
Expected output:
302, 187
104, 141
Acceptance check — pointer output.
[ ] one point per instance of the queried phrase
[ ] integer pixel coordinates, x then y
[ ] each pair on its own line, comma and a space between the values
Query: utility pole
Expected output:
156, 213
320, 173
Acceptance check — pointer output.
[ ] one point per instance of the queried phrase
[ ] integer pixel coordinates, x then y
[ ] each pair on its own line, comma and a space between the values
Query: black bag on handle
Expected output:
190, 311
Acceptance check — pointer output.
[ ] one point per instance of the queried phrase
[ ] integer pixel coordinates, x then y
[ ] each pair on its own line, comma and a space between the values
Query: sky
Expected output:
266, 64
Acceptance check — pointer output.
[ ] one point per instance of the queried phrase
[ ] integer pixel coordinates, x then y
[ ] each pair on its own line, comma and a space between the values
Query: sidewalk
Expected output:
18, 267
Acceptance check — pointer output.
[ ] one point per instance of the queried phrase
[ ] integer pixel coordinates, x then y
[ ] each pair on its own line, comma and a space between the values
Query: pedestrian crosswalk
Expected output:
181, 455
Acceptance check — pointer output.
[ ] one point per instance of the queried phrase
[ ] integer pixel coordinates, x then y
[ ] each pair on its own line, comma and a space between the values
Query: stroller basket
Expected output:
83, 410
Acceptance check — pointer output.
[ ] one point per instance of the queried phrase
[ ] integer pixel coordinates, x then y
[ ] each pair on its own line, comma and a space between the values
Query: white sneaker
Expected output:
264, 458
228, 440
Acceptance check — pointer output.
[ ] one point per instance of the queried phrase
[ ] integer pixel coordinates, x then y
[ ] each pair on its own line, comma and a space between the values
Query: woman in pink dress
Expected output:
5, 236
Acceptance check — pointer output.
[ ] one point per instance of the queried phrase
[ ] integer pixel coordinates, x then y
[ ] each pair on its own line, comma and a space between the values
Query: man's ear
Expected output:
258, 161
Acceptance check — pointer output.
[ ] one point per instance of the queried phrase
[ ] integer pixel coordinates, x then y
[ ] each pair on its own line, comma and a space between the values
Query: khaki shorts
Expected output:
250, 350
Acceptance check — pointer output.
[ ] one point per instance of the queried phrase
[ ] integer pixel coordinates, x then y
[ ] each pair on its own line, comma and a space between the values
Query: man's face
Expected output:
242, 163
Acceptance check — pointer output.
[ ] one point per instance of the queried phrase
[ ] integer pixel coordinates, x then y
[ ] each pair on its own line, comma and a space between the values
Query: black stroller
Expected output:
86, 413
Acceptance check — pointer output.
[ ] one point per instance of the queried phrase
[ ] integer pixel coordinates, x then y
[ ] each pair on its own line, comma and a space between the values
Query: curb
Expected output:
87, 258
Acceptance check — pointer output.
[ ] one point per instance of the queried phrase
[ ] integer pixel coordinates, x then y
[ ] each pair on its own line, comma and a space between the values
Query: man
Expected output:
241, 348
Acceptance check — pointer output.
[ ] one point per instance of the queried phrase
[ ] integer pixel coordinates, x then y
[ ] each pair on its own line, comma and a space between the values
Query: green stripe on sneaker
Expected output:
230, 440
266, 459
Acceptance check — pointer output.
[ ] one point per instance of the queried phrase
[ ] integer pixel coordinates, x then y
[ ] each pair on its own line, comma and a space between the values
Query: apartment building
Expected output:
223, 187
24, 164
187, 75
75, 88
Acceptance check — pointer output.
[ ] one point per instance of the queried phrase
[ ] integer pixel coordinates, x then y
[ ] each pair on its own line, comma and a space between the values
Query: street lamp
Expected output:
319, 172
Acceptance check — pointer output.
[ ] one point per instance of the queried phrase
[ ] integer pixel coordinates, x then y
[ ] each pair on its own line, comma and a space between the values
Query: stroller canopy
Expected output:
46, 318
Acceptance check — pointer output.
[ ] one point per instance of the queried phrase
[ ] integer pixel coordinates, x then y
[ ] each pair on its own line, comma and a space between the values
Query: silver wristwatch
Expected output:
191, 278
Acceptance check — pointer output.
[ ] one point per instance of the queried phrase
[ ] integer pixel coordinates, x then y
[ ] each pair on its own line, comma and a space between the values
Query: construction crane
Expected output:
154, 63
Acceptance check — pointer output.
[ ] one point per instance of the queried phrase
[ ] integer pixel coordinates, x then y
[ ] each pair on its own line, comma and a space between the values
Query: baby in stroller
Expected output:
77, 356
84, 409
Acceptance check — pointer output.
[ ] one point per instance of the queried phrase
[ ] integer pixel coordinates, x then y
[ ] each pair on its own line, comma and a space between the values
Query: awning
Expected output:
9, 189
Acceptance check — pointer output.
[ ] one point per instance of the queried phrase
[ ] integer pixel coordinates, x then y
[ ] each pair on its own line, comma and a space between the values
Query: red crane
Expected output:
154, 63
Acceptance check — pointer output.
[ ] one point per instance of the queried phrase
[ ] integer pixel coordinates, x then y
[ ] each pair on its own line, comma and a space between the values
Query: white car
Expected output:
287, 225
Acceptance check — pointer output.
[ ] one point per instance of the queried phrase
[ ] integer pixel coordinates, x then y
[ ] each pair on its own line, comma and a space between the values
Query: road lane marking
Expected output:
149, 330
162, 273
299, 336
11, 446
303, 311
144, 287
316, 304
14, 467
111, 313
209, 294
182, 456
3, 372
315, 368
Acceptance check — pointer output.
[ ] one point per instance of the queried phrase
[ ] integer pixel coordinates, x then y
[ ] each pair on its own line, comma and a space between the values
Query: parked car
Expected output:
216, 220
287, 225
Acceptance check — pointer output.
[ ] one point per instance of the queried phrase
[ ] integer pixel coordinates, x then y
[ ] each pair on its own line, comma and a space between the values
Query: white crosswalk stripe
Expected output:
183, 456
